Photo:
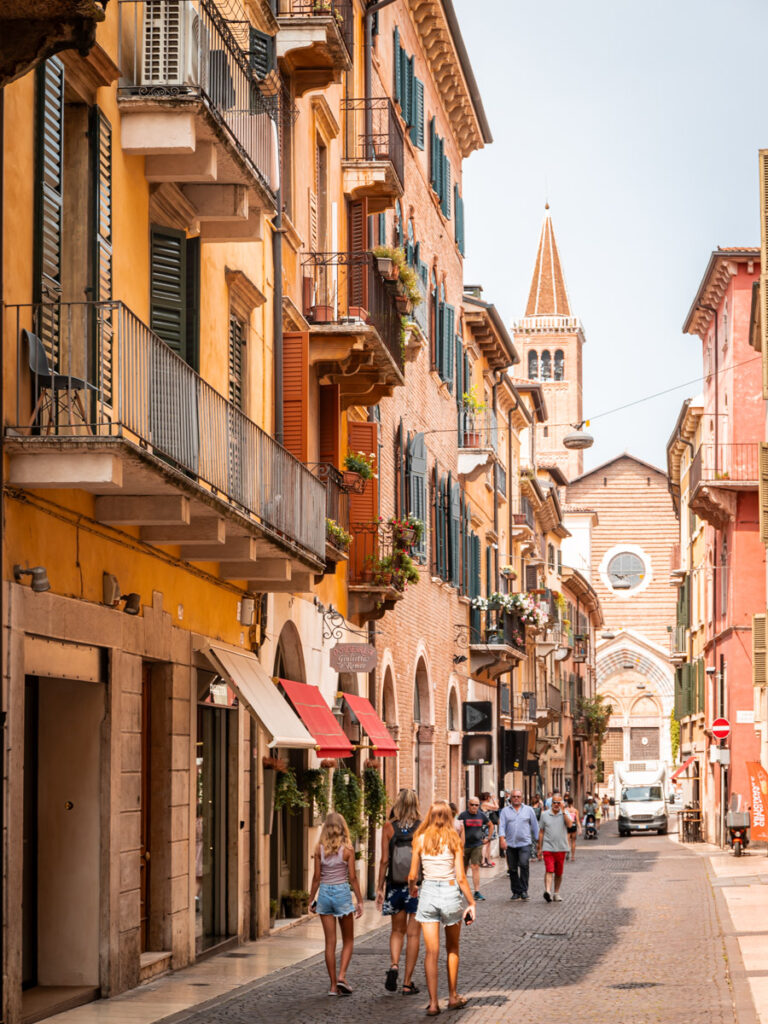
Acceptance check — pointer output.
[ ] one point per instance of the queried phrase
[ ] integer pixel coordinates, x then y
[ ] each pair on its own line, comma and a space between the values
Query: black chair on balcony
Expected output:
50, 388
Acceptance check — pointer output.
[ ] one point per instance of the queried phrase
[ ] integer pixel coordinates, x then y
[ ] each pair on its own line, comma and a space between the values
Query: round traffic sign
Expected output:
721, 728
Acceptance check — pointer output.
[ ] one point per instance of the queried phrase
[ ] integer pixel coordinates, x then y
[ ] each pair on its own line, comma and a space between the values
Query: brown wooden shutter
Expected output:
295, 392
363, 508
759, 677
358, 272
328, 433
763, 491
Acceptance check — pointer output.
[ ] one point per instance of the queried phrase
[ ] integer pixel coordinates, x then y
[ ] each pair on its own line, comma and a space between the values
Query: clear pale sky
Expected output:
641, 123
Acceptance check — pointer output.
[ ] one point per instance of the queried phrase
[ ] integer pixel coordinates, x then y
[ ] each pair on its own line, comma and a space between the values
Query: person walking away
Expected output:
605, 807
518, 831
330, 896
553, 843
393, 897
548, 801
474, 821
437, 855
572, 821
489, 805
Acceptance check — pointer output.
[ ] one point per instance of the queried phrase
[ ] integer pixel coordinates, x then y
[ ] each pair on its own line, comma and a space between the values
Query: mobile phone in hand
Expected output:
467, 916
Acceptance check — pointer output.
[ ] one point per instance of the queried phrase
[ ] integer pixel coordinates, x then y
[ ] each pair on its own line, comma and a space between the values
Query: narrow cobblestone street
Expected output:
636, 940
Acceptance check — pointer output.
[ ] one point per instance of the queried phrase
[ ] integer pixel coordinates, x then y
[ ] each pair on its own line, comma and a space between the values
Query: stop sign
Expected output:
721, 728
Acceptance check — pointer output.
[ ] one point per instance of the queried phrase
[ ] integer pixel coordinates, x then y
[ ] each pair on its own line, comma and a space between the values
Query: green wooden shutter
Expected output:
446, 193
701, 684
49, 180
417, 489
101, 268
397, 55
382, 229
450, 342
679, 712
458, 204
455, 533
417, 130
167, 297
433, 155
262, 52
408, 90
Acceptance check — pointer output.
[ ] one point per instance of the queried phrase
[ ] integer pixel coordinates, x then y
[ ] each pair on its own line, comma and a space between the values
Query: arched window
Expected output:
546, 365
533, 365
559, 365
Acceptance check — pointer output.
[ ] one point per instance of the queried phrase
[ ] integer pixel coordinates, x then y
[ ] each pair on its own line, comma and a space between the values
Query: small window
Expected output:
559, 365
533, 365
551, 556
624, 568
546, 365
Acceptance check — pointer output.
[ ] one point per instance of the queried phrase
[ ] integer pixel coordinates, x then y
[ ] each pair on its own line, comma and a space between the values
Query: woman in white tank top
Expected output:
439, 855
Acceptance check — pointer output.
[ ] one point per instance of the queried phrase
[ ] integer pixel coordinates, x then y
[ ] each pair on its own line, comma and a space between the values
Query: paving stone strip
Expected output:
636, 940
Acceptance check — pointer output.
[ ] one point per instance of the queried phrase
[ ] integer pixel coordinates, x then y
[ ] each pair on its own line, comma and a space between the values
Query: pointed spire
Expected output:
548, 295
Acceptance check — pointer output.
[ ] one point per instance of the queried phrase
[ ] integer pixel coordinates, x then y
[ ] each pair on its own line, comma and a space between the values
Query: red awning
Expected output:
381, 740
681, 769
318, 718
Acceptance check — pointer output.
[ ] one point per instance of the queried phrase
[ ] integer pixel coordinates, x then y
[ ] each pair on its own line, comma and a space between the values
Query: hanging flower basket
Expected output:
403, 304
329, 762
275, 764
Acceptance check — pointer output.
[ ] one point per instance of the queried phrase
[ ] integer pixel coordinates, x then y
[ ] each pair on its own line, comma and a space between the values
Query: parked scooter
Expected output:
590, 827
737, 823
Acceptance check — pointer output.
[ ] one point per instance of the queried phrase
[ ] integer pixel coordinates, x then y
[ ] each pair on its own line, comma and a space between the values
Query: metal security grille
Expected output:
644, 743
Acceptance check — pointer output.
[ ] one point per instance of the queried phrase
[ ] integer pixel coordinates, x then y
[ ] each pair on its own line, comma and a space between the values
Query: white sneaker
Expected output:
557, 898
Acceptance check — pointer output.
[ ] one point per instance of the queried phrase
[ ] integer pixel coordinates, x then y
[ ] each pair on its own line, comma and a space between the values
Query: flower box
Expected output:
322, 314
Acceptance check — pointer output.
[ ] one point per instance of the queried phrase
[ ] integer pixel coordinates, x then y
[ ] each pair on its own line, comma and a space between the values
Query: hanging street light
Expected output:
579, 438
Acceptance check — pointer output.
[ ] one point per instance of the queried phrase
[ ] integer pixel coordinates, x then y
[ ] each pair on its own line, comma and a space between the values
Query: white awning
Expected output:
260, 695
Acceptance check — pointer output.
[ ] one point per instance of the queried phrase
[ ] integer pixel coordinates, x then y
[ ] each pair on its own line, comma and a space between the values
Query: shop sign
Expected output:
353, 658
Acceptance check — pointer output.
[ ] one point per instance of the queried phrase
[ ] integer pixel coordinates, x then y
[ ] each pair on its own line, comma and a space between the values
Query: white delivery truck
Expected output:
640, 789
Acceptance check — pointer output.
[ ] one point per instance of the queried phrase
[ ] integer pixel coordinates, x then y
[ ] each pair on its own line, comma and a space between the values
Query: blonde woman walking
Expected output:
437, 853
330, 896
393, 896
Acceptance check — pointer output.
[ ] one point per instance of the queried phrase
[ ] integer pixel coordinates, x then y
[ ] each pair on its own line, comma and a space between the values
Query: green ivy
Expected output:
674, 735
597, 714
375, 799
288, 794
348, 799
317, 789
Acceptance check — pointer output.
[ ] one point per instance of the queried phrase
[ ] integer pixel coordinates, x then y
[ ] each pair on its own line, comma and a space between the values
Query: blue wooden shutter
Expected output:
458, 204
450, 342
101, 225
433, 156
262, 53
49, 181
167, 297
446, 193
455, 531
408, 90
417, 131
397, 55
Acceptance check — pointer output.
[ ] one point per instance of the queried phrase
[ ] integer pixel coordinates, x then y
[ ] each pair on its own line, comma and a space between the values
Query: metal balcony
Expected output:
524, 709
336, 509
373, 164
496, 641
373, 587
355, 325
716, 474
191, 100
116, 412
478, 429
315, 44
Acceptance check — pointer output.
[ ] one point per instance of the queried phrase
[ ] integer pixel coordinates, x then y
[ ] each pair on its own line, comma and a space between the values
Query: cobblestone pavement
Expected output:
636, 940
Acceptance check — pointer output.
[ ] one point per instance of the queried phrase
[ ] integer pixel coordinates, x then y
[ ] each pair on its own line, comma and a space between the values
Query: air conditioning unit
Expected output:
174, 45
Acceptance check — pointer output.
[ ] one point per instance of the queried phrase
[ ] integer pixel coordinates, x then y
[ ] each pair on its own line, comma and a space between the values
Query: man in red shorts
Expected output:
553, 841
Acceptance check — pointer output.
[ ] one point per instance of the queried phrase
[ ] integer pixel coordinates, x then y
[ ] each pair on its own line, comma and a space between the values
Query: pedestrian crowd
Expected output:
422, 882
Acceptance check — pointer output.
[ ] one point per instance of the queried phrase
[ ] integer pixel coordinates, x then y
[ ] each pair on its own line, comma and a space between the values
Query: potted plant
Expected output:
406, 530
337, 535
358, 464
405, 572
288, 794
296, 902
322, 314
471, 401
388, 261
509, 572
272, 913
409, 284
403, 304
275, 764
383, 569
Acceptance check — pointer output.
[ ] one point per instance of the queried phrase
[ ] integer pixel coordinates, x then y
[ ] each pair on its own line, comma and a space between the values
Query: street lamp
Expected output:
578, 439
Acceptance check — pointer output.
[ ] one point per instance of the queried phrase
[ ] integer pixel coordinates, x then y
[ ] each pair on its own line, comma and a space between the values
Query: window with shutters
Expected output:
445, 340
454, 533
759, 671
262, 53
408, 91
763, 492
439, 169
49, 194
237, 341
458, 205
551, 557
416, 488
321, 192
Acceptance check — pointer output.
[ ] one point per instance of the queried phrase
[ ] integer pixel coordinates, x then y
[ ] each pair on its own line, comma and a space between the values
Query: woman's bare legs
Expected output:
452, 936
412, 948
431, 932
397, 937
572, 836
328, 922
347, 926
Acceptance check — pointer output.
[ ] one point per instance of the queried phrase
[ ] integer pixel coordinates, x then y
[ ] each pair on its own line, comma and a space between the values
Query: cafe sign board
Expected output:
353, 658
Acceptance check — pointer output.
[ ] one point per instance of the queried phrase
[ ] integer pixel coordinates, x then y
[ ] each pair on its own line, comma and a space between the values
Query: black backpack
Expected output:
400, 852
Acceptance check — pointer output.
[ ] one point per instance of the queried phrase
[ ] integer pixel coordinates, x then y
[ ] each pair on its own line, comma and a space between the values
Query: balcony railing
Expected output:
500, 478
346, 287
181, 51
724, 464
342, 11
336, 495
678, 642
373, 132
113, 377
497, 628
524, 708
477, 428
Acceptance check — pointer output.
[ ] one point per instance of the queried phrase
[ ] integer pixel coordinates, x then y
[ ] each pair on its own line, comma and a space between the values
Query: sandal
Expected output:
460, 1003
432, 1013
390, 983
410, 990
344, 988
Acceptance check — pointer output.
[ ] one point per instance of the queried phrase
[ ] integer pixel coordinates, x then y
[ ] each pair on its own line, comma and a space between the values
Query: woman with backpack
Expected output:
392, 896
438, 855
330, 896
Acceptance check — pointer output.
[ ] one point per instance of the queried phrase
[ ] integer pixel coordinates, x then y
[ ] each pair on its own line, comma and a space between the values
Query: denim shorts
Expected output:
335, 900
399, 898
440, 902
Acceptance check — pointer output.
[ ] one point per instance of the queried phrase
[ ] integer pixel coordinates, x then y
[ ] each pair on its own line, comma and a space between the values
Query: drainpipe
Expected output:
277, 306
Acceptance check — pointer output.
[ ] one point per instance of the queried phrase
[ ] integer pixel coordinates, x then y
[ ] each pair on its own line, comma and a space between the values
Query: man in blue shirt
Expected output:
518, 830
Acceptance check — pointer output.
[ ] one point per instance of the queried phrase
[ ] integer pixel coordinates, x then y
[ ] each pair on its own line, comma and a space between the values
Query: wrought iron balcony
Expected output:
374, 583
189, 86
678, 644
336, 509
478, 428
716, 474
374, 147
496, 640
345, 297
92, 378
524, 708
316, 41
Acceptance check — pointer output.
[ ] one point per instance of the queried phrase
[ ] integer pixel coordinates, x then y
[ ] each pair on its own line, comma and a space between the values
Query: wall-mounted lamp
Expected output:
39, 577
246, 609
111, 596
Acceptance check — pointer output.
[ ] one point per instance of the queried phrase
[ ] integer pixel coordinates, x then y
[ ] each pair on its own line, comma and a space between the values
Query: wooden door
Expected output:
146, 791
